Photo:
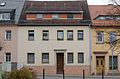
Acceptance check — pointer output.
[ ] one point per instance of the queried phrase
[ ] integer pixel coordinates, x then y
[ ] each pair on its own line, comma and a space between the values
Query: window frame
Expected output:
29, 62
113, 62
47, 35
114, 34
43, 59
69, 16
30, 36
80, 31
3, 18
82, 57
97, 37
67, 35
58, 34
7, 37
9, 58
54, 16
39, 17
68, 57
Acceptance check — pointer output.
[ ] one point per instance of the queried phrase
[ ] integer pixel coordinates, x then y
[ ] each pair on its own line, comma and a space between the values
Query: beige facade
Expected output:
53, 46
103, 50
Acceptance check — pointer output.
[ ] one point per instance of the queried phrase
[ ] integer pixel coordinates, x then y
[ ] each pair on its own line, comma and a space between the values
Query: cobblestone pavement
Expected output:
76, 77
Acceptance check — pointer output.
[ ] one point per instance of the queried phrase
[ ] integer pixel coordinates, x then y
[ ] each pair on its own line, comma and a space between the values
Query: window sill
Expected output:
8, 40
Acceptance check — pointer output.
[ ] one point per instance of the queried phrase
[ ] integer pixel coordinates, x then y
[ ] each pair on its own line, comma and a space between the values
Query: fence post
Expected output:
43, 73
63, 74
83, 74
102, 74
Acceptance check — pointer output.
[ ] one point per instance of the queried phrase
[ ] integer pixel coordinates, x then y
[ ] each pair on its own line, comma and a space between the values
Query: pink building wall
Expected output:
10, 46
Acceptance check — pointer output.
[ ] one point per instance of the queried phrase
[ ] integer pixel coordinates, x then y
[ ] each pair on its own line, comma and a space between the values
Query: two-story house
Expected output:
54, 35
105, 28
10, 11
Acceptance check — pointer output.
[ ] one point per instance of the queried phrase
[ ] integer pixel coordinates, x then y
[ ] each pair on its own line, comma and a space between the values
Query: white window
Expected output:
4, 16
60, 35
8, 35
99, 37
112, 36
8, 57
39, 16
54, 16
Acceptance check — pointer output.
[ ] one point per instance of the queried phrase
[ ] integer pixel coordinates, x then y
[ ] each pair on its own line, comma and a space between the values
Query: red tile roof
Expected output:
96, 10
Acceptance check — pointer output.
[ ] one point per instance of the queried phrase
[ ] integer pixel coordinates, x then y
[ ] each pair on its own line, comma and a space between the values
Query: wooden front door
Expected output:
60, 62
100, 65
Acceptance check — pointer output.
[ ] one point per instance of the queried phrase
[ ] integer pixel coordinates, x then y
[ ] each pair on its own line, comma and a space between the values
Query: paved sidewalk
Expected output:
76, 77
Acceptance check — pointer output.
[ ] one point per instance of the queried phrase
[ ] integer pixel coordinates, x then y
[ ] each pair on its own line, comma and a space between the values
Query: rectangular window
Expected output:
70, 57
70, 35
8, 57
6, 16
54, 16
60, 35
45, 57
31, 35
99, 37
30, 58
69, 15
45, 35
80, 57
8, 35
112, 36
80, 34
39, 16
115, 62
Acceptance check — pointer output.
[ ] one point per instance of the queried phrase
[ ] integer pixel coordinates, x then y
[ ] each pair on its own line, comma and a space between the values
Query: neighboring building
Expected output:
104, 25
54, 35
9, 15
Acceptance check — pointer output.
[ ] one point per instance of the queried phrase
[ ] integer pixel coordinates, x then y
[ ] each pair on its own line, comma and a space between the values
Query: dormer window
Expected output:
2, 4
108, 17
55, 16
39, 16
4, 16
69, 15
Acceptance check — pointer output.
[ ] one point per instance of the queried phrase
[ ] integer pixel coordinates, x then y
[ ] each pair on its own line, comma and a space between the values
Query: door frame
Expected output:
103, 57
95, 69
56, 62
60, 51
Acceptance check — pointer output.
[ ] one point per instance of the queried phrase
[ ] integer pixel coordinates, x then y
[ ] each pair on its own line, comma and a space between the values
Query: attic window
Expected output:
2, 4
108, 18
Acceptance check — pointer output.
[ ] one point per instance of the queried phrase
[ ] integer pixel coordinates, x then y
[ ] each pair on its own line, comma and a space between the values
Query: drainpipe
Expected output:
90, 49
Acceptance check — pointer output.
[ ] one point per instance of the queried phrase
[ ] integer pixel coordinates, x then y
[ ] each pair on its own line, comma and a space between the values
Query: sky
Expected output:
90, 2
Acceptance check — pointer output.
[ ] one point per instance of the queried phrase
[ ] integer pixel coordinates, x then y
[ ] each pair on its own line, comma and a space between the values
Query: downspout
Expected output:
90, 49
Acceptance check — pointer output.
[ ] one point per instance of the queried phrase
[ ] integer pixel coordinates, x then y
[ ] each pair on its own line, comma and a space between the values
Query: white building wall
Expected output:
38, 46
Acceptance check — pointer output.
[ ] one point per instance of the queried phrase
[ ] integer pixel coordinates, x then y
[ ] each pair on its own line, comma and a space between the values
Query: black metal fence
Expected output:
63, 74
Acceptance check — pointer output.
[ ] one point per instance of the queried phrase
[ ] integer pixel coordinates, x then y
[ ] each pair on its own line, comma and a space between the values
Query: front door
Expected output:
100, 64
60, 62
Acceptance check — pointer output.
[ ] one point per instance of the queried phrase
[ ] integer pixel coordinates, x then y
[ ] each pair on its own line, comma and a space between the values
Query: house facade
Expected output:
105, 26
9, 16
54, 35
